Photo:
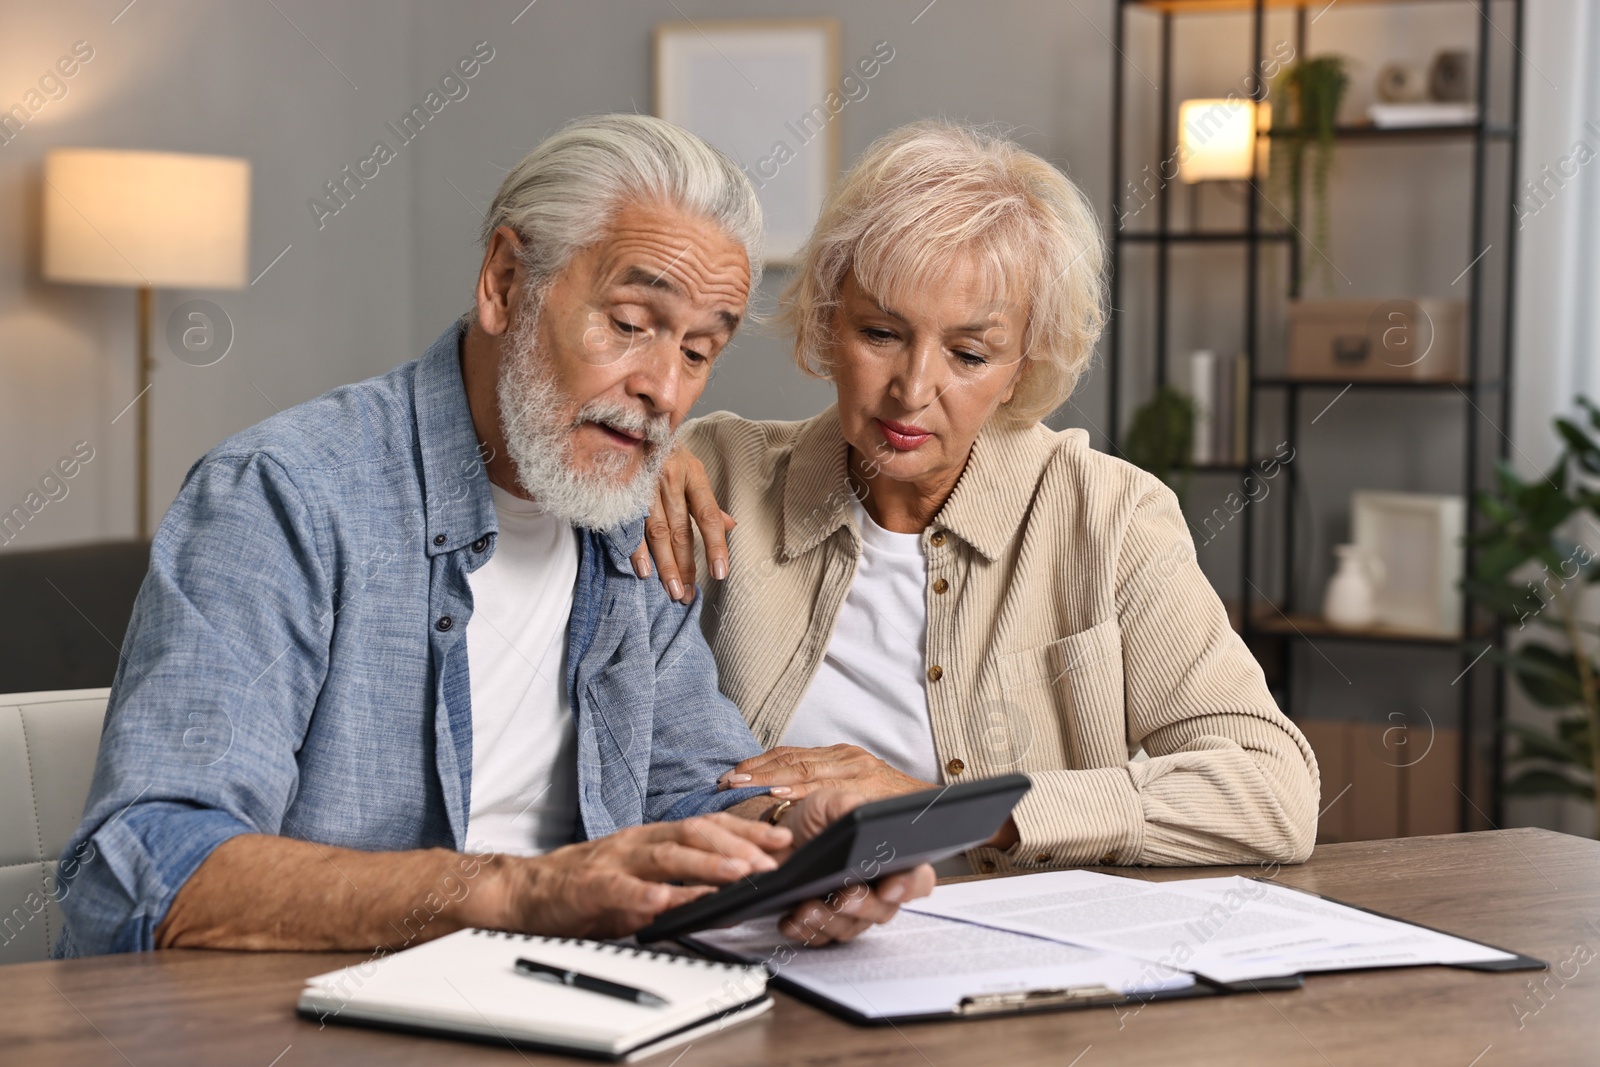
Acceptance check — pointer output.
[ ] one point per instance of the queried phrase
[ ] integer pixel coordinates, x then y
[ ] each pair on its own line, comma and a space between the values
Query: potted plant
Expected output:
1311, 91
1533, 573
1161, 438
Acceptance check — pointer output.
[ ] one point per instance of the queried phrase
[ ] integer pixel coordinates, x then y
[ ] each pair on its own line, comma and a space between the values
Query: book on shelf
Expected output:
1241, 409
1220, 387
1202, 374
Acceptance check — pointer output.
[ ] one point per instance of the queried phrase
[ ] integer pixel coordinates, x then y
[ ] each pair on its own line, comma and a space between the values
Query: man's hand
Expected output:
260, 891
858, 906
791, 773
614, 886
683, 494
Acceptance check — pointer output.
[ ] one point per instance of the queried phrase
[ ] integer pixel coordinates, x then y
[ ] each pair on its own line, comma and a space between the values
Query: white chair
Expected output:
48, 743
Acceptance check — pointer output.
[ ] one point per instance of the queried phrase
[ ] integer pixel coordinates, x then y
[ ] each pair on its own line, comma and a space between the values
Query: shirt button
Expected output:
987, 866
937, 540
935, 672
439, 539
955, 766
444, 623
480, 544
941, 586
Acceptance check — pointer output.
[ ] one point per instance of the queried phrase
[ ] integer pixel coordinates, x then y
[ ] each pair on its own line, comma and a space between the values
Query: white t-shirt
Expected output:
868, 689
524, 738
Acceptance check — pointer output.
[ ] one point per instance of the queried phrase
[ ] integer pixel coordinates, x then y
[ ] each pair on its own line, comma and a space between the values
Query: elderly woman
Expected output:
929, 586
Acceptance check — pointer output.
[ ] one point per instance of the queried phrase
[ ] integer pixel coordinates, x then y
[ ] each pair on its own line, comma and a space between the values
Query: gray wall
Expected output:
1032, 64
378, 281
192, 77
371, 286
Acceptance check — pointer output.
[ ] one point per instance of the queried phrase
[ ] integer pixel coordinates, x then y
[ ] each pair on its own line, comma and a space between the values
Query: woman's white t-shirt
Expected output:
868, 689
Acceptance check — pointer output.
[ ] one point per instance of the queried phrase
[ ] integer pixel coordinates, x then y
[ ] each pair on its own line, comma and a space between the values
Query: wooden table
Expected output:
1530, 890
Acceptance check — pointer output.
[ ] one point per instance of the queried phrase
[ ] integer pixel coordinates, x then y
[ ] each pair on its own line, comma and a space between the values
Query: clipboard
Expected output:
1087, 996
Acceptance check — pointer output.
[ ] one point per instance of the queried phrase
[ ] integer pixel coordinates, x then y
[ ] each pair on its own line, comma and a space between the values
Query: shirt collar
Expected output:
816, 492
457, 502
622, 541
986, 509
992, 497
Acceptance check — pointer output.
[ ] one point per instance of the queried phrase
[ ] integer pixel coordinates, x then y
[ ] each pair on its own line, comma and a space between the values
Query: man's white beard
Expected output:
539, 440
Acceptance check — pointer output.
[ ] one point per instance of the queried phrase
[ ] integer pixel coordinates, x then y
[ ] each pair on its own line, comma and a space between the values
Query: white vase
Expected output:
1351, 601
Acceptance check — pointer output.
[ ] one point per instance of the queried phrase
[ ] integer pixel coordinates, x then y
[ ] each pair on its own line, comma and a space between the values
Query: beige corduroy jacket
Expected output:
1069, 625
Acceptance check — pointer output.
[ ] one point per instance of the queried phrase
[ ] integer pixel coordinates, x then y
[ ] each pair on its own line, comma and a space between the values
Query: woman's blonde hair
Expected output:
933, 191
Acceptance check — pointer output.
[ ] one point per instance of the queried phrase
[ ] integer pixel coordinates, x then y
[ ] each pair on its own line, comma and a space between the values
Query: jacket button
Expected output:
941, 586
1043, 857
444, 623
935, 672
937, 540
480, 544
1109, 859
439, 539
955, 766
987, 866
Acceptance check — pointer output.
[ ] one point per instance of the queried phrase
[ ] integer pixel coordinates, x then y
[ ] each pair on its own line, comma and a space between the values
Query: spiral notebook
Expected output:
466, 985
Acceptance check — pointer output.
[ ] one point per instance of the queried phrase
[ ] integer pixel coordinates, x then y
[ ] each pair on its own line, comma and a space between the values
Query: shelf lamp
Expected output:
145, 220
1217, 139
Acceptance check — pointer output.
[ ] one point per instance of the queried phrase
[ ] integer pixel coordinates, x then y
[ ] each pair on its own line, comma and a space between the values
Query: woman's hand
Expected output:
682, 494
791, 773
859, 904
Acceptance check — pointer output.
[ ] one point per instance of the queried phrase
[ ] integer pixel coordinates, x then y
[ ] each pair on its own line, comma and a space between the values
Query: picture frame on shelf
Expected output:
1417, 536
766, 92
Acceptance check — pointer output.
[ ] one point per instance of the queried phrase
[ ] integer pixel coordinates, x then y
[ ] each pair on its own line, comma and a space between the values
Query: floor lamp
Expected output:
147, 220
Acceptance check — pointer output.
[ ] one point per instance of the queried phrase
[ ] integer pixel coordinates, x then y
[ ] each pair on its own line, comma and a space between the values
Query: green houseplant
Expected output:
1161, 438
1310, 91
1533, 573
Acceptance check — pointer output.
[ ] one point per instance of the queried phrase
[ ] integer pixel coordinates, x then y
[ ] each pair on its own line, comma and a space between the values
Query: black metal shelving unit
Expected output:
1272, 624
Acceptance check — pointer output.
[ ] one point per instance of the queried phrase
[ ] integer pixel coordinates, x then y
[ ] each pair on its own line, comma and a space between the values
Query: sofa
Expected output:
66, 612
48, 744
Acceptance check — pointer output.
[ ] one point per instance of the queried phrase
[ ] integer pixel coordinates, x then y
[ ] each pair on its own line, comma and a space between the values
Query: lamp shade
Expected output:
155, 219
1217, 137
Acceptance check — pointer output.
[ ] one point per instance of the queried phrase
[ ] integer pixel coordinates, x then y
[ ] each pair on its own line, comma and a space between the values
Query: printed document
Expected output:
1227, 929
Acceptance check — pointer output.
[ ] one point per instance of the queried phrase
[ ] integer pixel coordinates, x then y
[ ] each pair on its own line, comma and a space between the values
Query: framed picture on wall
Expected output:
760, 90
1417, 536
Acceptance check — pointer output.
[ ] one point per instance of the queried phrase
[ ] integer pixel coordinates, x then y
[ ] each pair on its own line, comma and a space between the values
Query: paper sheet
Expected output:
920, 965
1228, 929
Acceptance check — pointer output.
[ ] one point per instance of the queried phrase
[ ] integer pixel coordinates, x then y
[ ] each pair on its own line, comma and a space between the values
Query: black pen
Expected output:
589, 983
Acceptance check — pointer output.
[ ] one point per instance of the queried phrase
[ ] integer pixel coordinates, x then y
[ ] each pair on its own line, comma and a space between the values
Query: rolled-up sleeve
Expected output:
220, 669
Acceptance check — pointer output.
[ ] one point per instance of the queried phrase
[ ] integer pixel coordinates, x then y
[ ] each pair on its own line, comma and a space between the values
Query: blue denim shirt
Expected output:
297, 659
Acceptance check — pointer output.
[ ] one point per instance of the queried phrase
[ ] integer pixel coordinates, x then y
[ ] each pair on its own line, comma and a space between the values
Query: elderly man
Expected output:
391, 660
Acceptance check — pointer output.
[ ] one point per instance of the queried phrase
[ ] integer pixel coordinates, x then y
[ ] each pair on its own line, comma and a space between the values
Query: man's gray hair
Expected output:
561, 198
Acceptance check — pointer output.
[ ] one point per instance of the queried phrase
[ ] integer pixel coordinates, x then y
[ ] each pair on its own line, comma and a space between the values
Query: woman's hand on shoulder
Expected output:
790, 773
683, 496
